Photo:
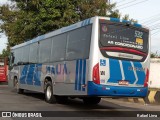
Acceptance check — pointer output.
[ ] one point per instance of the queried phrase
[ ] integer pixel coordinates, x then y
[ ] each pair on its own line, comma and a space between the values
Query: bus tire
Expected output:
91, 100
49, 97
16, 85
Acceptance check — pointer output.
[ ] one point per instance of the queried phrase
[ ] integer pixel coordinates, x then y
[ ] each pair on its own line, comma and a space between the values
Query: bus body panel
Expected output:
119, 91
3, 70
112, 71
75, 77
70, 76
62, 74
94, 48
3, 74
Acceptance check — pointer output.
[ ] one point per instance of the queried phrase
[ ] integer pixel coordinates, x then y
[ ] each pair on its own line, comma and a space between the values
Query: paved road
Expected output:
11, 101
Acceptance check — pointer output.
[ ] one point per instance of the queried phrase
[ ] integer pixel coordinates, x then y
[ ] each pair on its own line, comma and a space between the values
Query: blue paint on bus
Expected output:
114, 68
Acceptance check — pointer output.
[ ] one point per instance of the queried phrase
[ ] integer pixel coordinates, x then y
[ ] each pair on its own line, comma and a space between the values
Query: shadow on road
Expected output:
78, 103
36, 95
74, 107
3, 83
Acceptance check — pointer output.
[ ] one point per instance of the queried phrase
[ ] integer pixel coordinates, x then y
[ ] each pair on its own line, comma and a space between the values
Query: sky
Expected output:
146, 12
3, 38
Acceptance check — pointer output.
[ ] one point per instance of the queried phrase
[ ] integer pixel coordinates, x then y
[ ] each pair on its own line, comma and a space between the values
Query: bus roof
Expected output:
72, 27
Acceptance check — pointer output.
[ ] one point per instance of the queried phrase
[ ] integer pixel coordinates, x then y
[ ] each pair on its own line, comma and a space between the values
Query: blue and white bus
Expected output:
95, 58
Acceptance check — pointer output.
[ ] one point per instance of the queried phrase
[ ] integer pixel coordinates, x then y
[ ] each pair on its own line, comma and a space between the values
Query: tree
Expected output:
5, 53
155, 55
90, 8
27, 19
126, 17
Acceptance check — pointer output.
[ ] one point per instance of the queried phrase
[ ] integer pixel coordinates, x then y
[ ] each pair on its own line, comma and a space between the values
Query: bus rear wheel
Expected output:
91, 100
16, 85
49, 97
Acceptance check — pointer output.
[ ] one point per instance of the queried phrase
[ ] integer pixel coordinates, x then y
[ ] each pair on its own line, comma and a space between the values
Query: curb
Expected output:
153, 97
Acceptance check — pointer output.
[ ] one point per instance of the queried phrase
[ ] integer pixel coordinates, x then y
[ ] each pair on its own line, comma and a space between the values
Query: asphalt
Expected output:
108, 108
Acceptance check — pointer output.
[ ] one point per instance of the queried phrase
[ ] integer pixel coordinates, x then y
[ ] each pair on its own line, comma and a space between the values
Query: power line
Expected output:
134, 4
152, 20
151, 17
156, 33
121, 1
152, 24
126, 3
155, 29
155, 25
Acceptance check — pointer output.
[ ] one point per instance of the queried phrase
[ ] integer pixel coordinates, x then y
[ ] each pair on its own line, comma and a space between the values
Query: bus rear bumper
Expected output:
117, 91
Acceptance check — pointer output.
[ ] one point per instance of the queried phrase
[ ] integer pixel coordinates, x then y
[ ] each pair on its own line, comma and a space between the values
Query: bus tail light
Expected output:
95, 74
146, 79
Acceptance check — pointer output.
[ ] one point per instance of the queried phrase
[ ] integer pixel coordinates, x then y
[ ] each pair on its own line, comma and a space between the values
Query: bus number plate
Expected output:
123, 82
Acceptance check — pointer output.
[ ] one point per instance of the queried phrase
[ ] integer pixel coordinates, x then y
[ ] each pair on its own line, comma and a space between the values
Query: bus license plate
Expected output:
123, 82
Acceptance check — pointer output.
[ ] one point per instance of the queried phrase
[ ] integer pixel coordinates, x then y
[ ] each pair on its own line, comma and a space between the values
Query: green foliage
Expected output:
27, 19
152, 55
126, 17
155, 55
5, 53
90, 8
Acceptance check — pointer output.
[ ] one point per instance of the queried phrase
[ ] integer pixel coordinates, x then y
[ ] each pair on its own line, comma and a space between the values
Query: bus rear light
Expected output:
95, 74
146, 79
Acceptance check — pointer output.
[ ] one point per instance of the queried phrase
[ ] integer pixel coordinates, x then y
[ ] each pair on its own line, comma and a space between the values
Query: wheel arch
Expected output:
47, 79
15, 77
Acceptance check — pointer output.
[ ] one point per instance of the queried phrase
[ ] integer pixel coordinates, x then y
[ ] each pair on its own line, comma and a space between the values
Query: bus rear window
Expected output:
123, 41
121, 35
